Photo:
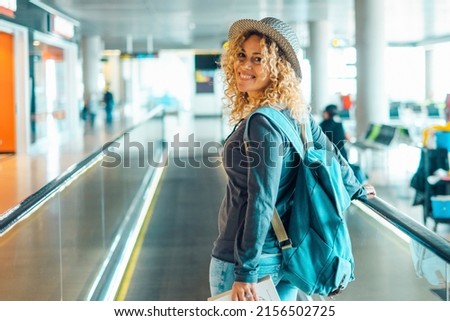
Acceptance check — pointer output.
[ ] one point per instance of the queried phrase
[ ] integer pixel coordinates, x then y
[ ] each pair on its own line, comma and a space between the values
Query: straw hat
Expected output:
277, 30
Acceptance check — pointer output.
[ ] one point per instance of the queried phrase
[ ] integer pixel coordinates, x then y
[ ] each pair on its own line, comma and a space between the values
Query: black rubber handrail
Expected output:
416, 231
26, 207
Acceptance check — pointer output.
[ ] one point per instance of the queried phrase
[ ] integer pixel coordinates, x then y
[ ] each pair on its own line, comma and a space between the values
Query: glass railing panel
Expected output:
27, 272
61, 250
386, 263
107, 202
431, 268
83, 235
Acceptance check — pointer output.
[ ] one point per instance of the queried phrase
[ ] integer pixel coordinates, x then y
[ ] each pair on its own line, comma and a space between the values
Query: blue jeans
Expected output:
221, 276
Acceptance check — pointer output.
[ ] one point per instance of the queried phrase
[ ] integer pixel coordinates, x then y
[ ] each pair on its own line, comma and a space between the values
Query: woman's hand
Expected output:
370, 190
242, 291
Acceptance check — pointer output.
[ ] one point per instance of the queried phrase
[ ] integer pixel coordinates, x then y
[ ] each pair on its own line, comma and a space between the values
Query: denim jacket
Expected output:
259, 177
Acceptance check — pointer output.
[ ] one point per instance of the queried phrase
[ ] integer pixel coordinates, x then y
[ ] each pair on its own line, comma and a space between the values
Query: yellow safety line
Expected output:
131, 266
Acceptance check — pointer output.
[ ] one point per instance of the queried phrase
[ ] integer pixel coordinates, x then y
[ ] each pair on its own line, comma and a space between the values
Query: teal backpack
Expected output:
317, 251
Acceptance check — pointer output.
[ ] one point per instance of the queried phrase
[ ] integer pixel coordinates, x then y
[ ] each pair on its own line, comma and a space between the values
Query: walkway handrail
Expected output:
9, 218
416, 231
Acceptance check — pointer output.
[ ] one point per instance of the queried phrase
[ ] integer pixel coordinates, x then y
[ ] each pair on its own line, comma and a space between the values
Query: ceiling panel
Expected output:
204, 24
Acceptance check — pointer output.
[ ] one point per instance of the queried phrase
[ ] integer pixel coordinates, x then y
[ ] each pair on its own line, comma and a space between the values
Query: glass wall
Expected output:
164, 78
441, 72
405, 73
48, 108
342, 64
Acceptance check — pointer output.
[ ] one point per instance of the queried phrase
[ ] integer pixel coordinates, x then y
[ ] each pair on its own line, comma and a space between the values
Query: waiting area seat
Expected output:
381, 136
381, 139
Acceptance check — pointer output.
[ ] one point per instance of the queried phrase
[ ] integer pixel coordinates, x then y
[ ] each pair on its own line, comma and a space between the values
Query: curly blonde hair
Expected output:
284, 88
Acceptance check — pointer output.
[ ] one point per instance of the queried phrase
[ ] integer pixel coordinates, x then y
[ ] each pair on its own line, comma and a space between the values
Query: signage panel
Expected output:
8, 7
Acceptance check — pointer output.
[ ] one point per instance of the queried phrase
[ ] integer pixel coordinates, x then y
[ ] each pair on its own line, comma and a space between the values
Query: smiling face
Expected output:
249, 71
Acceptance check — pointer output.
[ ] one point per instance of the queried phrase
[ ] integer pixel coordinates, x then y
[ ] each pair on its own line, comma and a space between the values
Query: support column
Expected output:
91, 53
429, 75
371, 102
319, 39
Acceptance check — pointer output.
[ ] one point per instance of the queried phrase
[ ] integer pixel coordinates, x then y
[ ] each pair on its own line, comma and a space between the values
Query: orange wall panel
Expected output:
7, 105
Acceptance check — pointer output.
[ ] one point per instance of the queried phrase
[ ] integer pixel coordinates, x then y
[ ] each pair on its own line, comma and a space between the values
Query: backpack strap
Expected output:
282, 123
284, 242
286, 126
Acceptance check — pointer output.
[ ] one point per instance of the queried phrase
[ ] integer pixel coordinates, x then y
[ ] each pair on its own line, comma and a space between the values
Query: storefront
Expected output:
38, 83
13, 81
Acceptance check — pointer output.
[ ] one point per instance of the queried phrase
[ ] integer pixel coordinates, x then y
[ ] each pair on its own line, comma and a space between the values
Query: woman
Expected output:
260, 68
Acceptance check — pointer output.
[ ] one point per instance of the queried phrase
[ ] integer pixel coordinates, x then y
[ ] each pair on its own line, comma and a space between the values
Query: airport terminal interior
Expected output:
118, 199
